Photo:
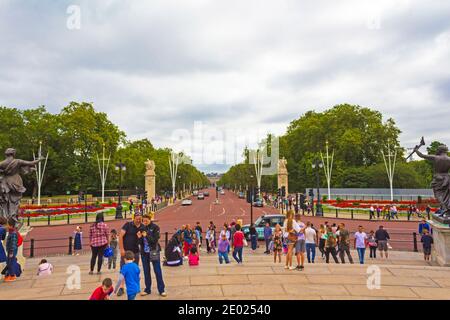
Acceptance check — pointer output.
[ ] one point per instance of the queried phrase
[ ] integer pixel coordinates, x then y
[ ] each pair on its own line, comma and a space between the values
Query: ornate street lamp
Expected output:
317, 165
120, 167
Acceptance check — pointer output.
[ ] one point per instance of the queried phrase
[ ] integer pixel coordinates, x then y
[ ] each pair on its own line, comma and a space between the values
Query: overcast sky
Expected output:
241, 68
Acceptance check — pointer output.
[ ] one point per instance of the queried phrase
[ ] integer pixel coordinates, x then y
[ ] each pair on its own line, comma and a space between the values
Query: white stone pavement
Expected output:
403, 276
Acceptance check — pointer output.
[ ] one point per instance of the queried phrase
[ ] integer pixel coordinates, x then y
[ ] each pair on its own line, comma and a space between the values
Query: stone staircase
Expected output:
403, 276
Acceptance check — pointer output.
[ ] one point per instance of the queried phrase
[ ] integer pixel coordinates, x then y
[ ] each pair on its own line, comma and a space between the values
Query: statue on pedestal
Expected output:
11, 184
150, 181
441, 178
283, 174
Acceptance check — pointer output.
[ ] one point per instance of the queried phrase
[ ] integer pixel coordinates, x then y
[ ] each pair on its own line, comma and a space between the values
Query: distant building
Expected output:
213, 177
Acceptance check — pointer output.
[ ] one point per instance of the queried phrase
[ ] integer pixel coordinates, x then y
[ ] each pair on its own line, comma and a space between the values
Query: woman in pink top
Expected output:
193, 257
99, 240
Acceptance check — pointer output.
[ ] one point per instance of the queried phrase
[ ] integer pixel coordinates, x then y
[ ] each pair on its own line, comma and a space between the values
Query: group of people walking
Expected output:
186, 243
296, 238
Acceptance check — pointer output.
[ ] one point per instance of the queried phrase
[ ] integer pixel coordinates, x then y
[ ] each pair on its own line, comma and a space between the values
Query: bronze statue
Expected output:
11, 185
441, 178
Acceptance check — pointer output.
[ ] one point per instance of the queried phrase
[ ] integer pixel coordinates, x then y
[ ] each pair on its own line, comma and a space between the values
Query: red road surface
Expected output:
230, 207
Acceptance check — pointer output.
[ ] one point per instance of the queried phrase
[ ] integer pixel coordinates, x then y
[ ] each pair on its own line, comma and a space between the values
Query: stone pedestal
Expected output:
150, 180
441, 239
283, 175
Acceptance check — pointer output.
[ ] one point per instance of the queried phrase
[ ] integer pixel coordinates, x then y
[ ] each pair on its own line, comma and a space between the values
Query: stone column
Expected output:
441, 239
150, 180
282, 174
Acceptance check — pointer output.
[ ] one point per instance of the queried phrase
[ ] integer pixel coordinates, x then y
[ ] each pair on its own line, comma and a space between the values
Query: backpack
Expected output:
19, 239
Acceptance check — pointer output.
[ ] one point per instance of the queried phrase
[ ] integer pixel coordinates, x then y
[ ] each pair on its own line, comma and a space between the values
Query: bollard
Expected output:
415, 242
428, 214
48, 221
68, 218
351, 213
70, 245
409, 217
166, 239
31, 248
28, 221
125, 214
337, 213
85, 217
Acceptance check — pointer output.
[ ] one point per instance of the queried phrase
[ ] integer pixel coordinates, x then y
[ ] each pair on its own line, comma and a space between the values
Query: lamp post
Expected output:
328, 168
40, 171
317, 165
174, 159
103, 170
390, 166
120, 167
251, 200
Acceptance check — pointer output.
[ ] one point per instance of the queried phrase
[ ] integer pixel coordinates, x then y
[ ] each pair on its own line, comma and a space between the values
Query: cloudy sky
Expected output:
207, 76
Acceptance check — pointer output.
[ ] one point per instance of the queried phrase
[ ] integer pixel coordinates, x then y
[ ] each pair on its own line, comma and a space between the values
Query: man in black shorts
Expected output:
129, 241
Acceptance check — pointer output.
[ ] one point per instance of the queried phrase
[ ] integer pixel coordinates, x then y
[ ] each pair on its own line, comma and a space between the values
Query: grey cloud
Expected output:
158, 66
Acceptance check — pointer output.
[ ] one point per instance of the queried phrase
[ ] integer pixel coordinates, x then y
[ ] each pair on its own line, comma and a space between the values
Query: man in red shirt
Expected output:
104, 291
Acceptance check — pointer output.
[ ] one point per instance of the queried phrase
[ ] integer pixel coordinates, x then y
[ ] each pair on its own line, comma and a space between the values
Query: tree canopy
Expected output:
73, 138
358, 136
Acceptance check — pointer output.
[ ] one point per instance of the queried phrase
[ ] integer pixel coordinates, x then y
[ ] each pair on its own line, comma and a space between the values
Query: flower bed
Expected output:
39, 211
365, 205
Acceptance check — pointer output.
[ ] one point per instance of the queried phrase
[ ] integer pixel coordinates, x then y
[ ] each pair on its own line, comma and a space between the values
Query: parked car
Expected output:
241, 195
206, 193
200, 196
222, 192
260, 223
186, 202
258, 203
195, 192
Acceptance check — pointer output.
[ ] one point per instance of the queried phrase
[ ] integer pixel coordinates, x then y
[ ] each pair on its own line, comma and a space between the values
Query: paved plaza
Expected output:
403, 276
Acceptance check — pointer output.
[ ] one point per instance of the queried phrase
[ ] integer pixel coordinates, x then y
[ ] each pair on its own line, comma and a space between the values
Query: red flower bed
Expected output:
39, 211
363, 204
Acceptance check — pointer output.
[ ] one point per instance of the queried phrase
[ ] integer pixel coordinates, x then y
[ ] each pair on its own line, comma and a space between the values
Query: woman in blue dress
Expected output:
78, 239
2, 237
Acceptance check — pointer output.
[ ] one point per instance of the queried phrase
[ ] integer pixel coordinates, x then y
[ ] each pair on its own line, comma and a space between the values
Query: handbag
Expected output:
154, 255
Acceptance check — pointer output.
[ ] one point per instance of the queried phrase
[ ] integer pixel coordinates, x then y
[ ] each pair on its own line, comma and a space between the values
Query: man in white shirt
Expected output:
360, 243
310, 241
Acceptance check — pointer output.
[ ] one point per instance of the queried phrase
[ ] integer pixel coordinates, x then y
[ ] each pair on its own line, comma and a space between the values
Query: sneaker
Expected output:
301, 268
286, 267
298, 267
91, 273
120, 292
144, 293
291, 268
10, 279
163, 294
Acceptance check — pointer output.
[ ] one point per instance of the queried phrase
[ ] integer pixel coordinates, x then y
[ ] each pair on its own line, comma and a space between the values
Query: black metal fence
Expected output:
400, 241
86, 217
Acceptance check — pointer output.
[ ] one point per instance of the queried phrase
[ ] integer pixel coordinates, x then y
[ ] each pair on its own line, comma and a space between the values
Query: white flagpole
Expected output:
40, 171
103, 171
328, 168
